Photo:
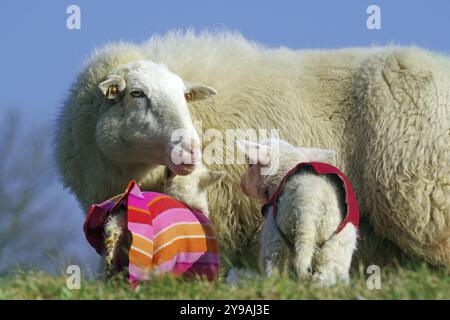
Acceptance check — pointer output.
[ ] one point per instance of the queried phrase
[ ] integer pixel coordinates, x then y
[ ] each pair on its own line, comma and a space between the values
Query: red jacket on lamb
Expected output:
352, 211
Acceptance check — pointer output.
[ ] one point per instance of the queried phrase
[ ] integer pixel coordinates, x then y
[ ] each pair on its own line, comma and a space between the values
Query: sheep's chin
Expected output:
181, 169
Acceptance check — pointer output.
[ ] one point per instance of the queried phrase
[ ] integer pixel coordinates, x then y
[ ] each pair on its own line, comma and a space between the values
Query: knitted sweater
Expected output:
167, 236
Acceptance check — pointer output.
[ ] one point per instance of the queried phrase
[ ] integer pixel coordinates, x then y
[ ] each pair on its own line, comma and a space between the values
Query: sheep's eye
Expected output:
137, 93
188, 96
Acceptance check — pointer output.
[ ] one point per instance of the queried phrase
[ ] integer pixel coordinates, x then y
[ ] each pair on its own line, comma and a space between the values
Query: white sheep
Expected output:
383, 109
305, 219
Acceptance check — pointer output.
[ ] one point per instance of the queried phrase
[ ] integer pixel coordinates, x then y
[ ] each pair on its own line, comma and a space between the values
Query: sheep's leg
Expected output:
273, 248
332, 262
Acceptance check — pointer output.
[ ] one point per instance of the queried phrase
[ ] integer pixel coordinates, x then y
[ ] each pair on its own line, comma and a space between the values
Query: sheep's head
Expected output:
192, 189
145, 120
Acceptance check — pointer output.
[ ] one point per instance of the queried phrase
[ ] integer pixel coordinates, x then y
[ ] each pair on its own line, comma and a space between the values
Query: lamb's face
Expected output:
253, 183
145, 120
192, 189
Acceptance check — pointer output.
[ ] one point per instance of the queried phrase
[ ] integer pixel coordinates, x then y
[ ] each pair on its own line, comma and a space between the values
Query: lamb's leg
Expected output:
113, 236
332, 262
305, 241
273, 248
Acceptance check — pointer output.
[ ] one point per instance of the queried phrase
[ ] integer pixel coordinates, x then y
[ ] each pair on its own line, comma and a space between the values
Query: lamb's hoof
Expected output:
323, 280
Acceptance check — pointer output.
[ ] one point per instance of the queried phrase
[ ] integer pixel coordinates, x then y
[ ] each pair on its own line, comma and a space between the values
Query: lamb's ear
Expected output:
112, 86
315, 154
197, 91
255, 152
212, 177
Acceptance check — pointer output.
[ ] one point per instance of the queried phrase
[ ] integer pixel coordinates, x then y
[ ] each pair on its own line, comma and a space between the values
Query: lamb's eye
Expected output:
137, 93
188, 96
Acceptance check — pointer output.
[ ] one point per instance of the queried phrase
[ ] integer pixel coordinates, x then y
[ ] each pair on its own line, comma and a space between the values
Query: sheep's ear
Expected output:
112, 86
197, 91
314, 154
212, 177
255, 152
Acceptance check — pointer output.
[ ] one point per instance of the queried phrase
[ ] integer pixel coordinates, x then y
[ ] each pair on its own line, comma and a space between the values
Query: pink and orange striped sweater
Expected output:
167, 235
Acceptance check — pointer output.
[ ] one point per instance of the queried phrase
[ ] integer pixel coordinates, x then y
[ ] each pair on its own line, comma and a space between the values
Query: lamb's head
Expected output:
192, 189
269, 161
145, 119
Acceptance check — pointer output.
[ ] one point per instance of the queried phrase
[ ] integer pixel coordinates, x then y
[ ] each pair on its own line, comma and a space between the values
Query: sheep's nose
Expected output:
192, 152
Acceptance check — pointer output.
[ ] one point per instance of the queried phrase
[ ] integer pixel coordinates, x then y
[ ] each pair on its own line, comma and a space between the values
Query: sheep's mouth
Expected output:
168, 174
183, 161
181, 169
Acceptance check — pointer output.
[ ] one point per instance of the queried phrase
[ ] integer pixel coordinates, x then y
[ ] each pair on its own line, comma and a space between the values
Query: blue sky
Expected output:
38, 49
40, 57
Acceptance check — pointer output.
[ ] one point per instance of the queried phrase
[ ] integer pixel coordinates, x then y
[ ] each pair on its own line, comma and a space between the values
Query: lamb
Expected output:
383, 109
305, 222
187, 228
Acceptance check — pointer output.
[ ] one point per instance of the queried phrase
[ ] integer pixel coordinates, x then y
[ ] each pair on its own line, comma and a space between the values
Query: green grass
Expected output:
400, 283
